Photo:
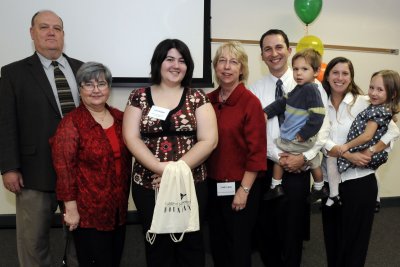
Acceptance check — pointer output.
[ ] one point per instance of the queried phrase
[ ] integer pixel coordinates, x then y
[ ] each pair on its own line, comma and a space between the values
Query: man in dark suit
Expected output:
29, 114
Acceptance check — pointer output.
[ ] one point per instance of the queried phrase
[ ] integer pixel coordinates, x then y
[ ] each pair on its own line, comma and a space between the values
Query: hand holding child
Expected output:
343, 149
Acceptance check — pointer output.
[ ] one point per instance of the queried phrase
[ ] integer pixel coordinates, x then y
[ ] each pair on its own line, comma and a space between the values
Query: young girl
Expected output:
368, 128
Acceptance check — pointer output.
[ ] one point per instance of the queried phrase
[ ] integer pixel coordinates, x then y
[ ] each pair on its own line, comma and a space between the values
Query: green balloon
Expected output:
307, 10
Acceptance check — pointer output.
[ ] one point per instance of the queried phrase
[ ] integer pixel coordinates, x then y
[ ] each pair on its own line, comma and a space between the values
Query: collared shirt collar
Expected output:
348, 99
287, 80
287, 76
47, 62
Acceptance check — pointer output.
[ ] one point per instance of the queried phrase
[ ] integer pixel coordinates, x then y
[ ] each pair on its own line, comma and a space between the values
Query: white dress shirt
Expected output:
264, 89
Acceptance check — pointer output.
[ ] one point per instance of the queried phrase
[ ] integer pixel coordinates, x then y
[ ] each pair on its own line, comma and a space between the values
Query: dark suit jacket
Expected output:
28, 118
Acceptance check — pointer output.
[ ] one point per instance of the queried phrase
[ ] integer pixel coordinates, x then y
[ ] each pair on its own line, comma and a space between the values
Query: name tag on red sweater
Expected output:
226, 189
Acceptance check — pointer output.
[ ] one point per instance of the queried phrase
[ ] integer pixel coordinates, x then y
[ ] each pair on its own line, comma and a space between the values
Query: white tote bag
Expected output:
176, 209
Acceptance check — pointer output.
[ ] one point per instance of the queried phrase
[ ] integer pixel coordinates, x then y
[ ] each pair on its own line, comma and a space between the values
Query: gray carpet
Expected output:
384, 250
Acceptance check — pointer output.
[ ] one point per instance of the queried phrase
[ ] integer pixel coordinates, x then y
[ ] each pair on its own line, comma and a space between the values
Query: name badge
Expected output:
226, 189
158, 113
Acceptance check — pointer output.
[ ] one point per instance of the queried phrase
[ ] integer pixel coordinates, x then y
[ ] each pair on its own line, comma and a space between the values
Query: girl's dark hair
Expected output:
352, 88
161, 52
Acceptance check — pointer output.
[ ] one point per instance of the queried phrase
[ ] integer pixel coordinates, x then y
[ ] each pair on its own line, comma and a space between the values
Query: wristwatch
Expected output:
245, 189
372, 149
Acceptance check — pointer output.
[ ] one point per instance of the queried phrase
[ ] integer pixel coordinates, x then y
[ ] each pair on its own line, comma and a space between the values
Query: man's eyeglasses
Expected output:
90, 86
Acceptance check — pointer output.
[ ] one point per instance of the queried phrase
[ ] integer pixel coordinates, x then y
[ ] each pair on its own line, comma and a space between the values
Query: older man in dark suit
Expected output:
30, 111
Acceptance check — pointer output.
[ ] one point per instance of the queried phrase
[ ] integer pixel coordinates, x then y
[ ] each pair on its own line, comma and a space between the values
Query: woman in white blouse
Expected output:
347, 227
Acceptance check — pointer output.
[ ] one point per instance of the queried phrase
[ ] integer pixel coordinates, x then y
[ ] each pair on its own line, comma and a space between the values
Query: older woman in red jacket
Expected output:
234, 188
93, 169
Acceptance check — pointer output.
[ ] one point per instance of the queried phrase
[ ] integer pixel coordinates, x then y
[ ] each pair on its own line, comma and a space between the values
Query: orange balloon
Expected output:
320, 76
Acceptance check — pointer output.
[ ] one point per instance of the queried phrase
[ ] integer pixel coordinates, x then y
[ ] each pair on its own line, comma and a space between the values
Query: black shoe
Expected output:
275, 192
336, 201
377, 206
318, 194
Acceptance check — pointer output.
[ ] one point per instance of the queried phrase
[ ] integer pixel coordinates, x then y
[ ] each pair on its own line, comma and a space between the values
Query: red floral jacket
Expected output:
85, 166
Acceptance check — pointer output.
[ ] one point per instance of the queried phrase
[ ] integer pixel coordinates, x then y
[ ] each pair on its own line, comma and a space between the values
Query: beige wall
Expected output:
368, 23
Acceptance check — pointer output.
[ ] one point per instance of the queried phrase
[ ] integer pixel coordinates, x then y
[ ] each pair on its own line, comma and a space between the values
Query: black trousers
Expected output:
347, 229
99, 248
284, 223
230, 231
164, 252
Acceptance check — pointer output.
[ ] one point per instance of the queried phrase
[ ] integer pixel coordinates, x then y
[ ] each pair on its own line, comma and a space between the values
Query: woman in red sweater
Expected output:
93, 170
234, 164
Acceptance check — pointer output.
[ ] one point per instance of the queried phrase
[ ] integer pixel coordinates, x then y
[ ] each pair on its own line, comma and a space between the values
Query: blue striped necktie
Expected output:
64, 92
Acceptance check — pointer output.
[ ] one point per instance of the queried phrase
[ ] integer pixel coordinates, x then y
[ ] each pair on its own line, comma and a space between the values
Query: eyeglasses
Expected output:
90, 86
224, 61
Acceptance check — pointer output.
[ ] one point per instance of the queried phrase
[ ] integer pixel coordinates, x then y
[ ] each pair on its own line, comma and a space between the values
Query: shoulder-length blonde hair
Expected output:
235, 49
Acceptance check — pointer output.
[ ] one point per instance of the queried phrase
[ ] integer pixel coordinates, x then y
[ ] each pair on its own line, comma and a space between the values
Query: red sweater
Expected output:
86, 171
242, 136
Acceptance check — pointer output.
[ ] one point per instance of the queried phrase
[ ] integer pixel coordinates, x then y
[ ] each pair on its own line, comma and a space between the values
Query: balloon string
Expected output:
306, 29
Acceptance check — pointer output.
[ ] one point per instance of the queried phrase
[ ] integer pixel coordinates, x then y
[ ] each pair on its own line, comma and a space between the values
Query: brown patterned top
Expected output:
171, 138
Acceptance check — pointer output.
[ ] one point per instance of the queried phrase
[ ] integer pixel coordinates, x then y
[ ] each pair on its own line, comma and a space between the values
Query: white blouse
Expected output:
340, 122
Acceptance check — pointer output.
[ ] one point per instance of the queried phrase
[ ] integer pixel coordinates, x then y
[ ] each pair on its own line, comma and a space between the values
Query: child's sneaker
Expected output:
318, 194
336, 201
